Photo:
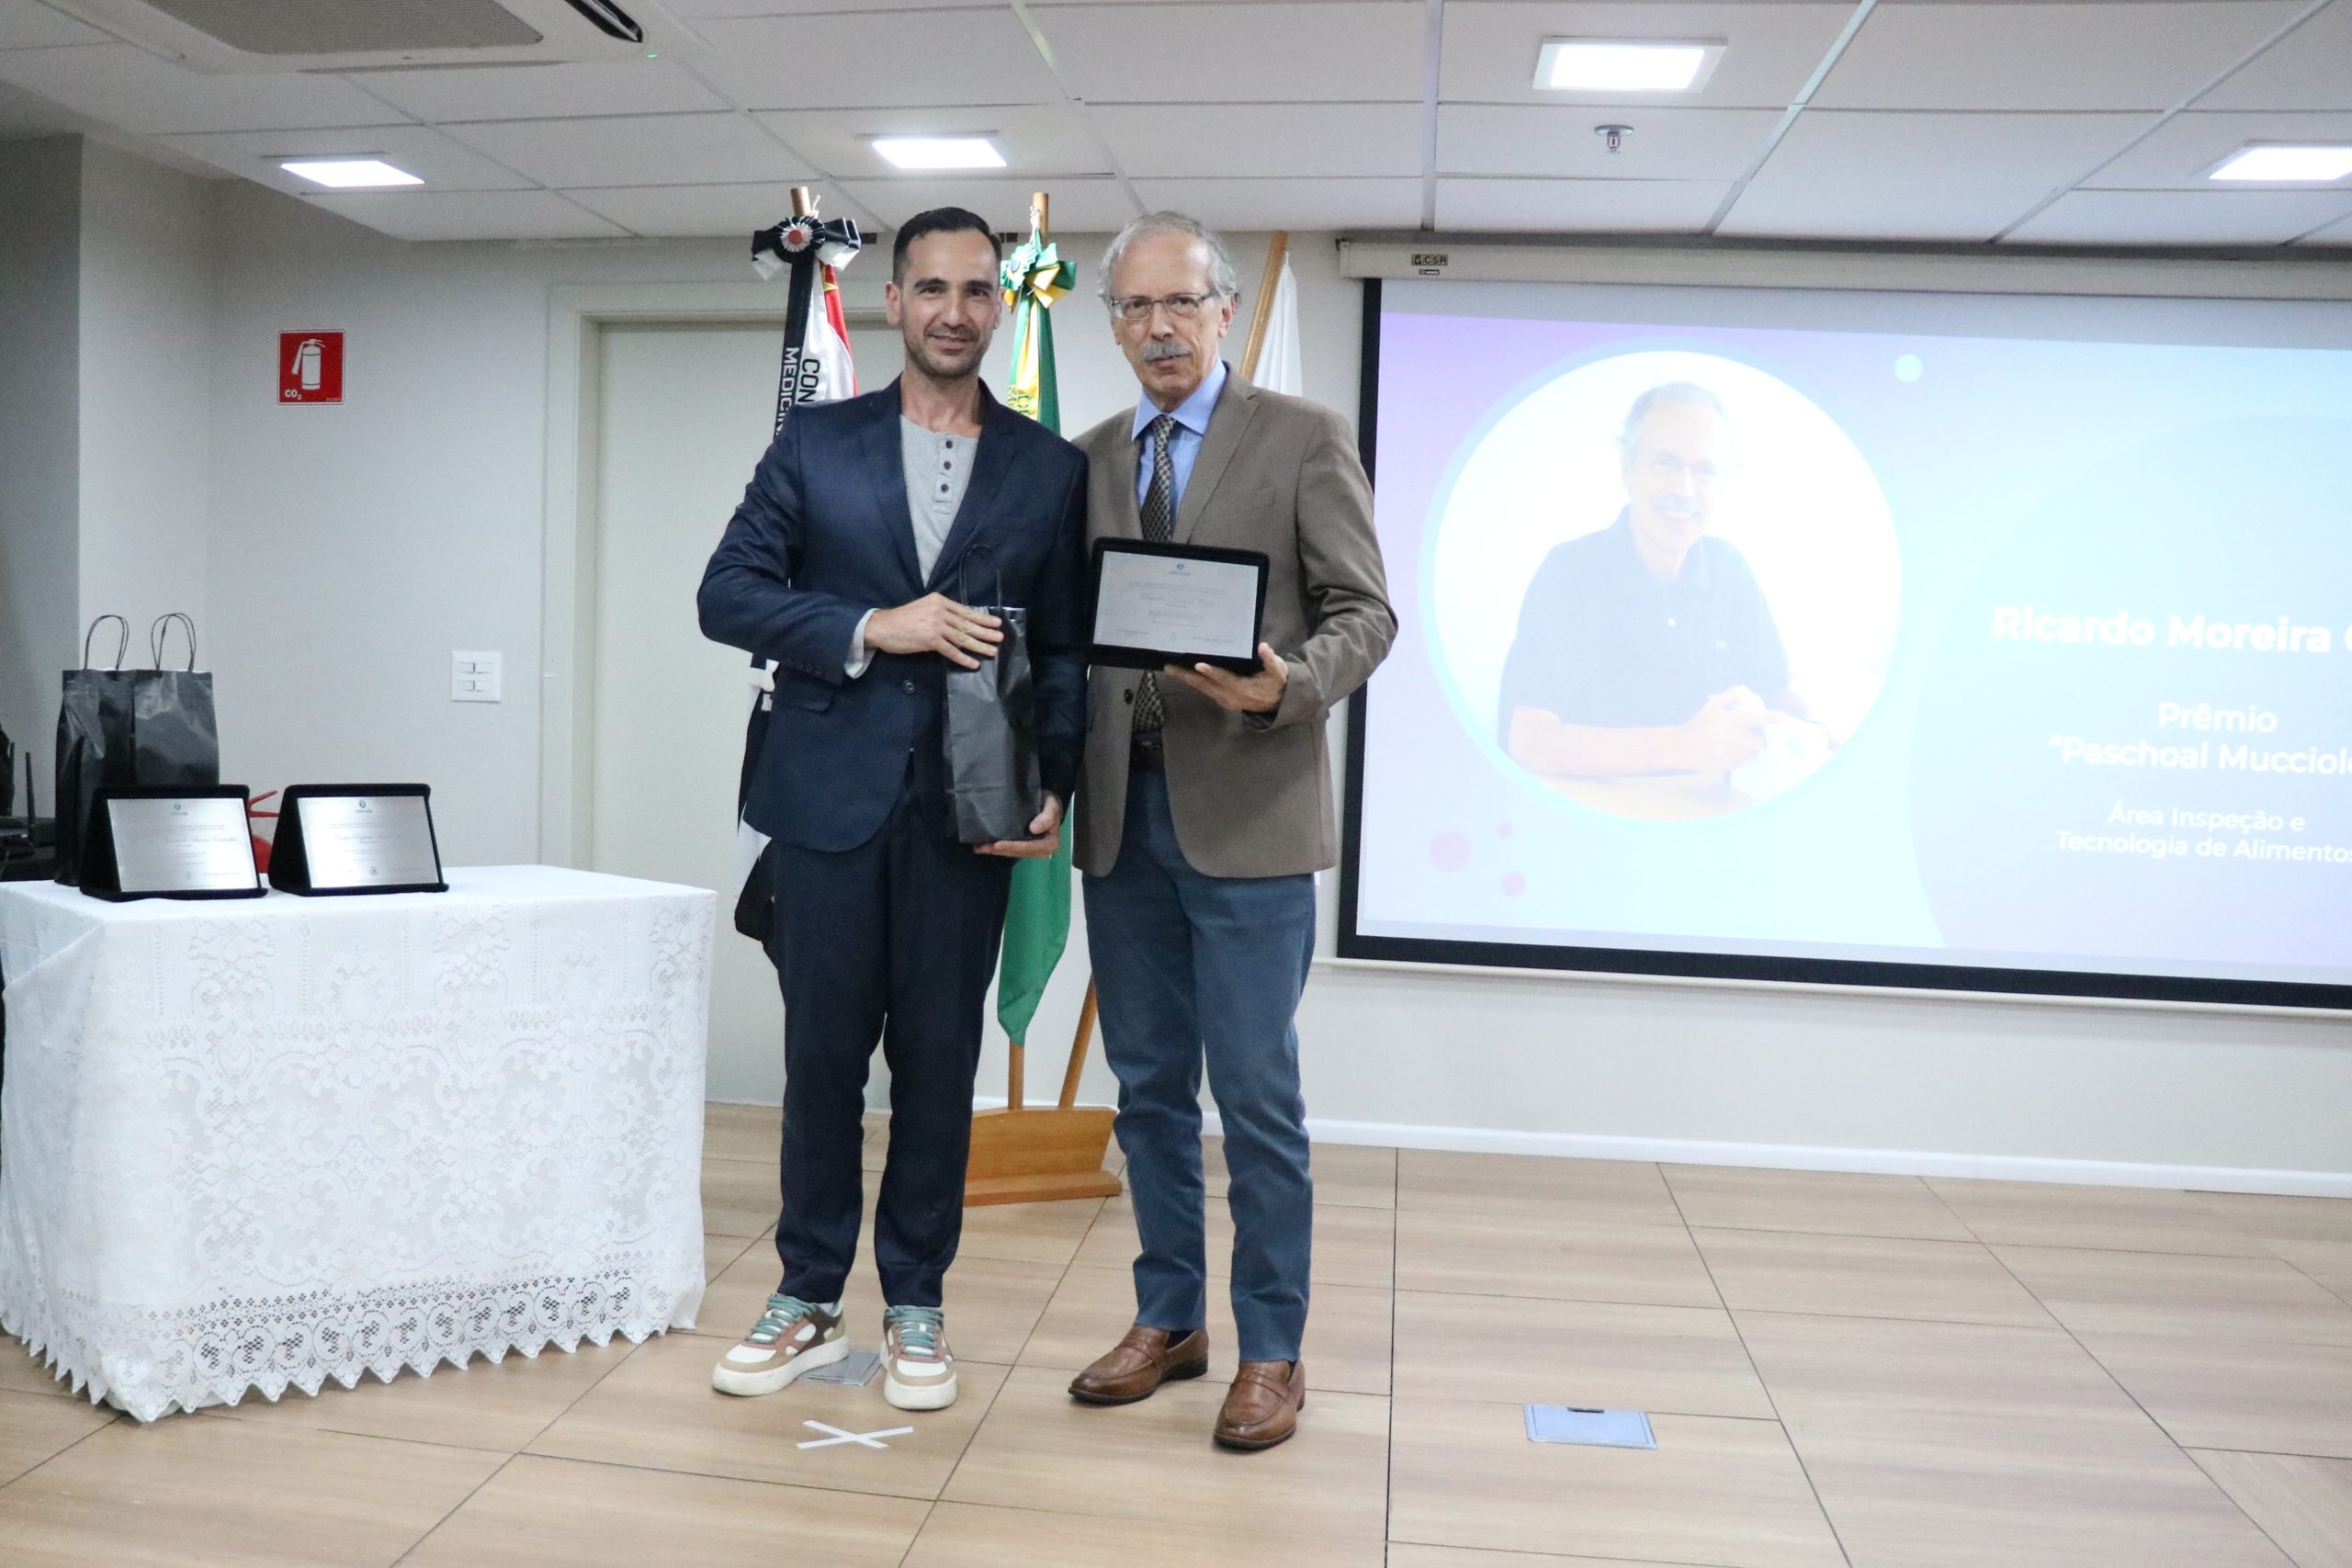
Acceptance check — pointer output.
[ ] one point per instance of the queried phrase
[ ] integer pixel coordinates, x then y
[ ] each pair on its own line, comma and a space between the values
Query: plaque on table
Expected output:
355, 838
1184, 604
172, 841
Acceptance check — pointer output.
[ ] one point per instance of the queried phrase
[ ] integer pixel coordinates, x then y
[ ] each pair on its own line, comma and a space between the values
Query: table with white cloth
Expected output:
262, 1142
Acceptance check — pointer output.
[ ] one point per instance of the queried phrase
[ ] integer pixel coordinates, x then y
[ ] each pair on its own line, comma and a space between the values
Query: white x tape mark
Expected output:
864, 1439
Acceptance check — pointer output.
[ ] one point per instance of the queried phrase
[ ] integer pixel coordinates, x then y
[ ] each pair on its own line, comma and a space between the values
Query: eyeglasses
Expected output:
1671, 469
1138, 307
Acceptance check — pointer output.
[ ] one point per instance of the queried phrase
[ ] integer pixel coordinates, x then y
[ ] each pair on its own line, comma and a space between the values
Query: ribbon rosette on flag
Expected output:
1037, 922
817, 369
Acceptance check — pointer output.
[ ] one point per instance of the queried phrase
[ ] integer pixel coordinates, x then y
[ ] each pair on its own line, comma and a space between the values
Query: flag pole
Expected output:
1017, 1054
1262, 311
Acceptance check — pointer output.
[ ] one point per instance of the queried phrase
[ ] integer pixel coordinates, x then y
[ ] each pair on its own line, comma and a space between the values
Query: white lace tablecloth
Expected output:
260, 1143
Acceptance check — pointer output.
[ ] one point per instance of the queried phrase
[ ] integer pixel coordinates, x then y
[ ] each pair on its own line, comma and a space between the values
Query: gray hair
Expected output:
1221, 277
1668, 395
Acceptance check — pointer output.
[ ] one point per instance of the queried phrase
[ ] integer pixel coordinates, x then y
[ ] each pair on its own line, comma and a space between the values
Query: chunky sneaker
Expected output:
791, 1337
918, 1371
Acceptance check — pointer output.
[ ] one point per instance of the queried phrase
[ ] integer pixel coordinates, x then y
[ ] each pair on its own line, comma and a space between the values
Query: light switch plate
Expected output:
474, 678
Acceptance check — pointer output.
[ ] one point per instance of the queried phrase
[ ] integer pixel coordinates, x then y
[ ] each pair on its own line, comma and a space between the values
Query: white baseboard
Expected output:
1802, 1156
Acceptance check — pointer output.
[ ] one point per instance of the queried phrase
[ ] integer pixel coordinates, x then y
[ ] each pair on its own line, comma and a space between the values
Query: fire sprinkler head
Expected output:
1613, 136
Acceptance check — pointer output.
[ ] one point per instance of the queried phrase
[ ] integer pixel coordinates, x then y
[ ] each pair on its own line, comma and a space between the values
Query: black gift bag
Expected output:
993, 787
175, 736
94, 746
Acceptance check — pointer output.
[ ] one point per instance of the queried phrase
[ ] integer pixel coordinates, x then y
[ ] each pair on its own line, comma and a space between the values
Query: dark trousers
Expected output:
1190, 968
894, 940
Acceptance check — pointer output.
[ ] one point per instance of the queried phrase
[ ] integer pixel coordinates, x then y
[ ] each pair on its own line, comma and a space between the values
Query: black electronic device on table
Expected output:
1157, 605
170, 841
339, 840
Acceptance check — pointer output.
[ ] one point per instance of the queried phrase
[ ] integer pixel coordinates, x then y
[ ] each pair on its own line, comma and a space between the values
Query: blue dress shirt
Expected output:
1184, 444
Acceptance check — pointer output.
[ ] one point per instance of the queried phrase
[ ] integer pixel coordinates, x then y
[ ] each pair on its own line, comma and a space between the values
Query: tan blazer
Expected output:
1251, 795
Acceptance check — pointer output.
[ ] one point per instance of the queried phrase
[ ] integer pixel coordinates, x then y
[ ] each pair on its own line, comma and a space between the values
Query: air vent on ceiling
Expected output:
351, 27
363, 35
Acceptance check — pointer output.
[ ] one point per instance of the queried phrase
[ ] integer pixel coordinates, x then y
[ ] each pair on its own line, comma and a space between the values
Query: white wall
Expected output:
146, 384
41, 205
352, 547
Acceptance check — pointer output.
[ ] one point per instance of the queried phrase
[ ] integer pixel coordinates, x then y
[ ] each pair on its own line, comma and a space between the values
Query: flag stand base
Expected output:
1038, 1156
1023, 1154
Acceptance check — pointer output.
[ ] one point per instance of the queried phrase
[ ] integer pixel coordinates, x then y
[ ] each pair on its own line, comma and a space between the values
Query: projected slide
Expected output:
1991, 643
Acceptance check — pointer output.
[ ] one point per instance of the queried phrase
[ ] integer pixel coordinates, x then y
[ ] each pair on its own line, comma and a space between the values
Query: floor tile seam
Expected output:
1285, 1536
1820, 1503
1830, 1232
226, 1413
597, 1382
1566, 1558
643, 1469
2316, 1279
2134, 1251
116, 1417
921, 1525
2150, 1417
2194, 1449
1060, 1279
1571, 1214
972, 1437
433, 1529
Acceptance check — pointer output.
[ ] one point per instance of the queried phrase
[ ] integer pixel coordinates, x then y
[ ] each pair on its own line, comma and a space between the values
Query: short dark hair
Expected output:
939, 221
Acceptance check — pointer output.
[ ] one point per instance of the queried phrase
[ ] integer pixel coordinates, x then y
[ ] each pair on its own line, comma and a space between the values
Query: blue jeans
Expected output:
1188, 967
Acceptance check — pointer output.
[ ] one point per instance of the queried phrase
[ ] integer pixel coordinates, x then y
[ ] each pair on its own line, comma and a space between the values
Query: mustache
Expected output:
1677, 507
1159, 349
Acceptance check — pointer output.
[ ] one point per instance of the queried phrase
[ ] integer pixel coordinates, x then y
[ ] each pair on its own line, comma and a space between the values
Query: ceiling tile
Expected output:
1574, 207
132, 90
1920, 177
535, 91
1560, 143
876, 60
469, 215
699, 11
701, 211
1771, 48
2075, 57
28, 23
1035, 138
440, 162
2182, 217
2311, 68
1263, 141
2187, 146
1081, 206
1334, 50
645, 150
1289, 204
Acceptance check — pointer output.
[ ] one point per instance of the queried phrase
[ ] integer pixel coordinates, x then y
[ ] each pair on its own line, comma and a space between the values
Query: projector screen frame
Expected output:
1773, 970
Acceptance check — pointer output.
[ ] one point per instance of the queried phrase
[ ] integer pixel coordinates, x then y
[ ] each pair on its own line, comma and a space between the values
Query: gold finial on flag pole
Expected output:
1263, 310
804, 204
1037, 201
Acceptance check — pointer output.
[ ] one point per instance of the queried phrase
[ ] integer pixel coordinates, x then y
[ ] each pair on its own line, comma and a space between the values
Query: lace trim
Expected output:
217, 1353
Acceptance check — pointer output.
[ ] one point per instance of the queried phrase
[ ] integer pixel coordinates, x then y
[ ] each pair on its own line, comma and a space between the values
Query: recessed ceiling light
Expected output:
940, 152
2308, 164
1624, 65
349, 174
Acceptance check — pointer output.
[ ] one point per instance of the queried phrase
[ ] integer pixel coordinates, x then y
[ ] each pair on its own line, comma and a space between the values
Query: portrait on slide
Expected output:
1665, 585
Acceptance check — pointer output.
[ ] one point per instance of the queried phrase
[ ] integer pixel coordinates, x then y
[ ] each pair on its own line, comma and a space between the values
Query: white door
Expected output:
686, 412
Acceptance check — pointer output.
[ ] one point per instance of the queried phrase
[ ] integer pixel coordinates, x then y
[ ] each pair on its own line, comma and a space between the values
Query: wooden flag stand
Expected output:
1024, 1155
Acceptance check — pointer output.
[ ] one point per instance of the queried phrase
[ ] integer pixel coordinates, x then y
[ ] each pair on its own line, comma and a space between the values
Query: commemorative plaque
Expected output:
174, 842
355, 838
1160, 604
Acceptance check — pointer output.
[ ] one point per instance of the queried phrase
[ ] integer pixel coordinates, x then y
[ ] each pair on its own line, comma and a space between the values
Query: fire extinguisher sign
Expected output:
310, 367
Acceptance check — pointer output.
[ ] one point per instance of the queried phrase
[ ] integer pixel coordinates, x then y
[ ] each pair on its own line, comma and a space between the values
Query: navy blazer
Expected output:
823, 536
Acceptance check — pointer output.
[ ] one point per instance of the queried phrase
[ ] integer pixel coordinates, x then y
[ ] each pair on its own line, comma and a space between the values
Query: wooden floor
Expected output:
1882, 1372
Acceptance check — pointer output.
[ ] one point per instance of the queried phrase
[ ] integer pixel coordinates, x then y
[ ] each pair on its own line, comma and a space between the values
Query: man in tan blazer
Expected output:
1204, 812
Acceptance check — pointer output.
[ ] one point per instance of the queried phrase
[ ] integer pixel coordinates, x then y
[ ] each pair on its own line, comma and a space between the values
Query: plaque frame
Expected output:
289, 858
102, 868
1157, 658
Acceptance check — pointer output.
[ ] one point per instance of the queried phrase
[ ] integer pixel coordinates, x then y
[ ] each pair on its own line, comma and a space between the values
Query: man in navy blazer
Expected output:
869, 531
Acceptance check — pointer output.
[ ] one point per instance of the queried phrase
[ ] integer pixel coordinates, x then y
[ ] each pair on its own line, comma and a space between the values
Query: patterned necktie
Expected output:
1158, 527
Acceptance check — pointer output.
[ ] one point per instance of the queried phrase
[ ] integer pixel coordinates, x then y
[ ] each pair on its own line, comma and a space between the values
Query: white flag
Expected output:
1278, 366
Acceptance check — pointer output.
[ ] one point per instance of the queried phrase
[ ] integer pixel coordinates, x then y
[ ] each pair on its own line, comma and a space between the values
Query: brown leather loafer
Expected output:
1261, 1407
1139, 1364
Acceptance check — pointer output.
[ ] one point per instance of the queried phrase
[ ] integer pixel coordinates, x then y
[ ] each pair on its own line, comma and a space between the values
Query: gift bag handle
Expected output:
995, 565
163, 628
122, 643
